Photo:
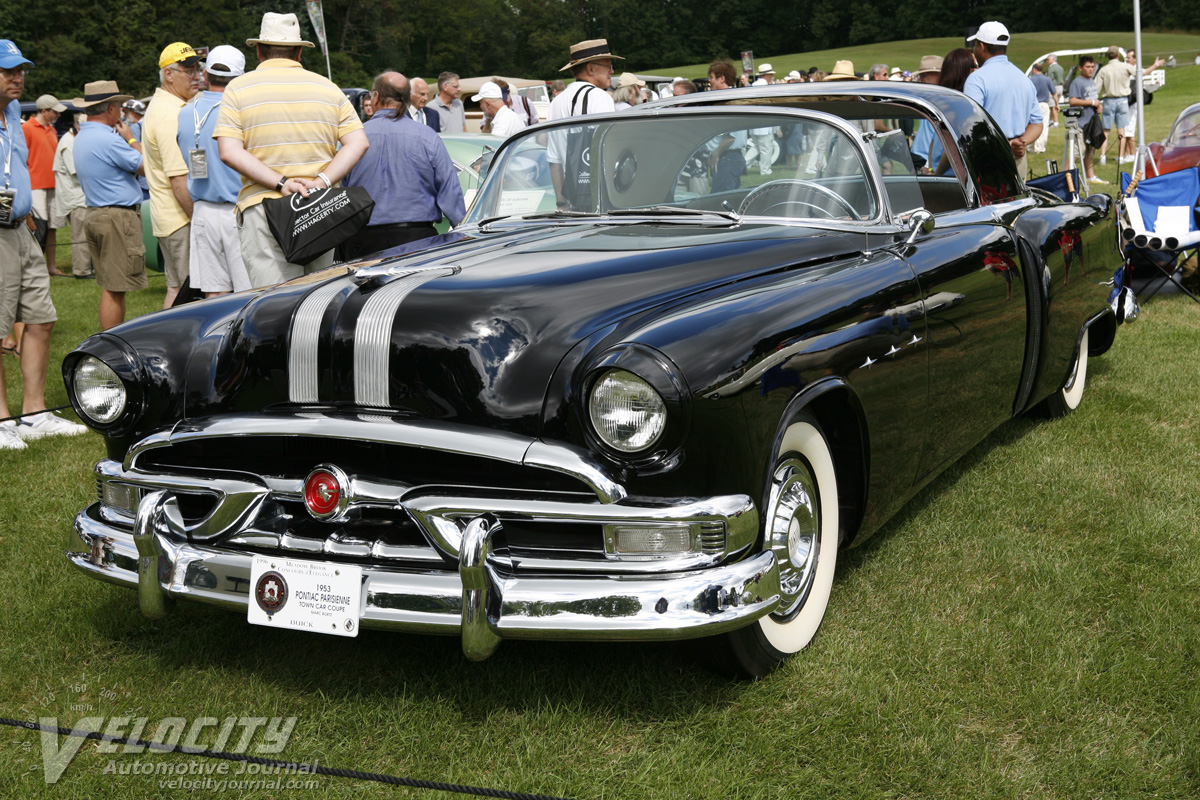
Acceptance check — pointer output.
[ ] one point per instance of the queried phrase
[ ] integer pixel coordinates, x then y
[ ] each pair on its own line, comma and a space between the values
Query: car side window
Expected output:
909, 171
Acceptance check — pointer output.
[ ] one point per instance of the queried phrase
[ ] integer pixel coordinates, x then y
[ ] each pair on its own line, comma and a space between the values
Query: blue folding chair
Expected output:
1063, 185
1159, 223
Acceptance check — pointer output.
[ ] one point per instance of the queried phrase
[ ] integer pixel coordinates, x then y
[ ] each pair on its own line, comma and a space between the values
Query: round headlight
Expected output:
626, 412
100, 393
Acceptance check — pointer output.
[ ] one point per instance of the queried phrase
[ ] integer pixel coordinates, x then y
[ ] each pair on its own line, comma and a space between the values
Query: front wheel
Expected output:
801, 528
1068, 398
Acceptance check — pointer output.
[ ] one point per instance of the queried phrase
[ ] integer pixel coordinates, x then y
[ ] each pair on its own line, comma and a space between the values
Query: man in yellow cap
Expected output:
181, 76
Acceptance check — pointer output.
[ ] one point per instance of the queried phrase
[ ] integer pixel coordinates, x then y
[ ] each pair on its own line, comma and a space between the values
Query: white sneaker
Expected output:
9, 440
1103, 160
1126, 160
47, 424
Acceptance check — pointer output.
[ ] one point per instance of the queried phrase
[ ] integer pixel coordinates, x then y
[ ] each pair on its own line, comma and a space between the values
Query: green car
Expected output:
471, 154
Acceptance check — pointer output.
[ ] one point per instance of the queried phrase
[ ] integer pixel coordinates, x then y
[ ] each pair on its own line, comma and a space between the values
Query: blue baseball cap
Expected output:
10, 55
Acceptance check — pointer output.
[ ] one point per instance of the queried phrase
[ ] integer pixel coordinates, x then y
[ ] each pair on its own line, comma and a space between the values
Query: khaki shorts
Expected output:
176, 249
216, 255
114, 237
263, 256
24, 282
81, 259
45, 207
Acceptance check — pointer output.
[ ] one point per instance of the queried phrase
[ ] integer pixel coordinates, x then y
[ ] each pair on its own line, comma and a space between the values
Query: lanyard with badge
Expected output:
198, 156
7, 196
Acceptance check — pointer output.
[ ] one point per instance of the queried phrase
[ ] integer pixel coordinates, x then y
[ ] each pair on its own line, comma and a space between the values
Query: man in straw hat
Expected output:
24, 282
282, 95
180, 77
842, 71
1001, 88
108, 160
591, 62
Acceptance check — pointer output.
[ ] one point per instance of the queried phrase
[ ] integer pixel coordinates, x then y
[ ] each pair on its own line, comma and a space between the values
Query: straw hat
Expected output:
842, 71
929, 64
98, 92
590, 50
281, 29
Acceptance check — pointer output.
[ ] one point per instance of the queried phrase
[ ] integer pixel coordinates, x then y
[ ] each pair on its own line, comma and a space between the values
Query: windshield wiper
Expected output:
674, 211
558, 214
483, 224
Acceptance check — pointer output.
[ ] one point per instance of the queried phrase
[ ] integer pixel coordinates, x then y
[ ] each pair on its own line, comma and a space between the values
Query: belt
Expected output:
14, 223
127, 208
401, 225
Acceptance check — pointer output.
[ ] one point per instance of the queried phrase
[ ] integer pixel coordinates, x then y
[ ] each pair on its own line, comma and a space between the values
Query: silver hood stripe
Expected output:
306, 333
373, 335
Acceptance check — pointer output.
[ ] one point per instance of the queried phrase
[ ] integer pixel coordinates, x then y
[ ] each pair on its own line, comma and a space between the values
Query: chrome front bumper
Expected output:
481, 602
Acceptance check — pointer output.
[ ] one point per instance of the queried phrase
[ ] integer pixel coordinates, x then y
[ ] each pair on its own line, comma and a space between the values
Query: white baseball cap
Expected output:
489, 91
991, 33
225, 60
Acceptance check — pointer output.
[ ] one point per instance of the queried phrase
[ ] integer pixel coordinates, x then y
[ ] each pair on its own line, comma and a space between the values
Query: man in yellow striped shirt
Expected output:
279, 126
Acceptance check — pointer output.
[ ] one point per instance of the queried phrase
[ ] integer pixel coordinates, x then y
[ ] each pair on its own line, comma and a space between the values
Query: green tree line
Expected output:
75, 42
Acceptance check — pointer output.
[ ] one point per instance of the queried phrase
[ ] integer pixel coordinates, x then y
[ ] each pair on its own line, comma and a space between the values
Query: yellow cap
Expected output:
176, 52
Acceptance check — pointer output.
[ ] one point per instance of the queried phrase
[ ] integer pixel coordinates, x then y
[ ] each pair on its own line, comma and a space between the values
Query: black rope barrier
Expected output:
288, 766
33, 413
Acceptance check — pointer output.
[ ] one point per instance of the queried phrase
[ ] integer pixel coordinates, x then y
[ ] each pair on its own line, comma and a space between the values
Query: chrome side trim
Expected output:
304, 338
373, 336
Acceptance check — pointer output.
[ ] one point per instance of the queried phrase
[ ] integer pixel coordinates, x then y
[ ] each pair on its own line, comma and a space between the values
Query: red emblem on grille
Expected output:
324, 492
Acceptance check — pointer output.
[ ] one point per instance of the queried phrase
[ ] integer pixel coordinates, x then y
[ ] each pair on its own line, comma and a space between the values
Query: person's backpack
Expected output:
1093, 132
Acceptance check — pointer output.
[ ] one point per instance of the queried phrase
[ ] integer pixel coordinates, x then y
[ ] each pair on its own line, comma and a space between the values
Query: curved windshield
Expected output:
1186, 132
765, 165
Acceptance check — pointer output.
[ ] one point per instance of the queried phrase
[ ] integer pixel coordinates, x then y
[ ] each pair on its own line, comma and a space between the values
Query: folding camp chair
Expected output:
1063, 185
1158, 222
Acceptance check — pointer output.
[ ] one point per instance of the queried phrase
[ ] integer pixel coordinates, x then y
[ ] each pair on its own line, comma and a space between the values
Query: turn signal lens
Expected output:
626, 412
651, 540
100, 393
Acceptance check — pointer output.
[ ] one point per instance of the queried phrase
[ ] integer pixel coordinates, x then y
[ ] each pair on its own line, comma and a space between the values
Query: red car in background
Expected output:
1181, 148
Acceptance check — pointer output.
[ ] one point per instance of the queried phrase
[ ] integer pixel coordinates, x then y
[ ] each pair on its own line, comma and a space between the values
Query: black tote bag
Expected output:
306, 227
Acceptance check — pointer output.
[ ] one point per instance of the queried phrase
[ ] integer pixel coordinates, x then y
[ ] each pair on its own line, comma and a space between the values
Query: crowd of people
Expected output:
217, 139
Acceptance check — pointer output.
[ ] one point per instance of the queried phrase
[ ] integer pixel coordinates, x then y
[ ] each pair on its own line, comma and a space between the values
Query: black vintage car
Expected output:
644, 392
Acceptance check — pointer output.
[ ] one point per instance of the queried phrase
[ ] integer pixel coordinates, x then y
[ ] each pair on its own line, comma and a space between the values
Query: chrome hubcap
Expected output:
795, 533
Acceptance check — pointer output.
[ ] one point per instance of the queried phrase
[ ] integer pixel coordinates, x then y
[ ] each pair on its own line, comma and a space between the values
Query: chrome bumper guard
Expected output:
479, 602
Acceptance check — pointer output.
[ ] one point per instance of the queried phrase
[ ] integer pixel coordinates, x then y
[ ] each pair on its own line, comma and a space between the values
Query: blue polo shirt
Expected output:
106, 166
223, 183
1006, 94
15, 152
927, 145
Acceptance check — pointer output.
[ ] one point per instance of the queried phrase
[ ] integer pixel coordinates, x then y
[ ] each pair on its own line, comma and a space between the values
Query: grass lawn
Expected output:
1027, 627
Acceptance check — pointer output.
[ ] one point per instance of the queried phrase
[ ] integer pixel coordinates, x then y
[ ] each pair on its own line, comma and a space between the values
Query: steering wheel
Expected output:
778, 194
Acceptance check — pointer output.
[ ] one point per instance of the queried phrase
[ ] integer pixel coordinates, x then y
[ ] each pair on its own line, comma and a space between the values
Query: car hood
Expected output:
473, 331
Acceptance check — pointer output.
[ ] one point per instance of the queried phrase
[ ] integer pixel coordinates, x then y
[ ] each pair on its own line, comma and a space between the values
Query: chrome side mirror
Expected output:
920, 223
